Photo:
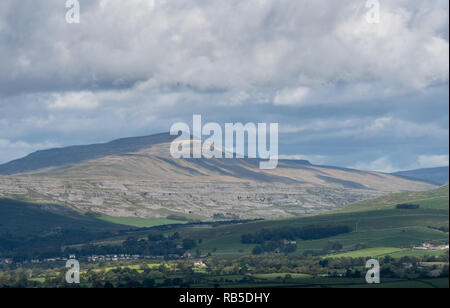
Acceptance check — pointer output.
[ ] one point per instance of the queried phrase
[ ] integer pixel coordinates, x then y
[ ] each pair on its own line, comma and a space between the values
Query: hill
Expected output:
137, 177
436, 176
75, 154
374, 228
378, 228
22, 218
29, 229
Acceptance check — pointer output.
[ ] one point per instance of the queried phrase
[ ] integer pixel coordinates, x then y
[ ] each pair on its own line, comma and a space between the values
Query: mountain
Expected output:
436, 176
76, 154
137, 177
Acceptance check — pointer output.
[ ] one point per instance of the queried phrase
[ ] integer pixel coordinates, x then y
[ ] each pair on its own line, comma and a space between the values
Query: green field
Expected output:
435, 199
379, 229
370, 252
140, 222
275, 276
137, 267
377, 224
386, 251
272, 280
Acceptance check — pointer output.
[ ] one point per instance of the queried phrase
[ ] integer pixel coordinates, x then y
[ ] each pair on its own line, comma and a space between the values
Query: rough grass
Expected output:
370, 252
438, 199
22, 218
376, 223
280, 276
140, 222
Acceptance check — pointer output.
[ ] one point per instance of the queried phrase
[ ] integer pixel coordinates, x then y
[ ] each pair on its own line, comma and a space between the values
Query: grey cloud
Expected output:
133, 68
221, 45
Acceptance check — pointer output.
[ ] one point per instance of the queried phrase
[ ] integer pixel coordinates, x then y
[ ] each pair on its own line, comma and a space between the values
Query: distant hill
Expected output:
436, 176
137, 177
75, 154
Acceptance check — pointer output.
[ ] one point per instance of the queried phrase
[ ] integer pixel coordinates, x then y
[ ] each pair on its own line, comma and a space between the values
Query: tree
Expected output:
258, 250
188, 244
148, 283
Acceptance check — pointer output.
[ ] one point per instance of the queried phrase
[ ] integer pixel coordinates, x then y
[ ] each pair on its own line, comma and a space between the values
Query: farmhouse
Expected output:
199, 264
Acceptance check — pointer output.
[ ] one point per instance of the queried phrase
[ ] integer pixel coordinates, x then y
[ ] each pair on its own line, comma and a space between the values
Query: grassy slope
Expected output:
377, 224
140, 222
20, 218
384, 251
435, 199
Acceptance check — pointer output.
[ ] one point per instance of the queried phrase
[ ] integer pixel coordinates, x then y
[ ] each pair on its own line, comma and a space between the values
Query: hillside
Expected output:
375, 229
378, 228
436, 176
438, 199
27, 229
141, 179
21, 218
75, 154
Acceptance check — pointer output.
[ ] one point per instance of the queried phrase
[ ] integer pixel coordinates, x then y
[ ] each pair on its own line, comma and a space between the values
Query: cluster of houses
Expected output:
33, 261
429, 246
287, 242
6, 261
104, 258
124, 257
121, 257
200, 264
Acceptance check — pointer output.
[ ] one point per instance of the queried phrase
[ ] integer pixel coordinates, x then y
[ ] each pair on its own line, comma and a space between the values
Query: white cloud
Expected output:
384, 163
227, 45
381, 164
431, 161
14, 149
366, 127
73, 101
291, 97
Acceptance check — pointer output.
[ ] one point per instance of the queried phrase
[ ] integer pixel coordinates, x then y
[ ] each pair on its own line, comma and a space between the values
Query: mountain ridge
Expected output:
57, 157
137, 177
436, 176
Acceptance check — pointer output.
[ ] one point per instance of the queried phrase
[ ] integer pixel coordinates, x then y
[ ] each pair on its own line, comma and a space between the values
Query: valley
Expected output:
410, 244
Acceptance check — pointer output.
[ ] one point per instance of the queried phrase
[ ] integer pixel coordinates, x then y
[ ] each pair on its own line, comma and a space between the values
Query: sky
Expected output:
345, 91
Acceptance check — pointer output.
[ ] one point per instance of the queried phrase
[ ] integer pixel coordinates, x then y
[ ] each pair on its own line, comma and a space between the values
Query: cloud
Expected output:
384, 164
73, 101
367, 127
276, 43
431, 161
339, 87
12, 150
291, 97
381, 164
